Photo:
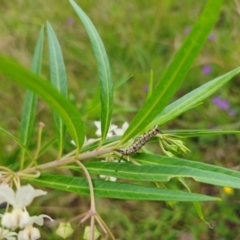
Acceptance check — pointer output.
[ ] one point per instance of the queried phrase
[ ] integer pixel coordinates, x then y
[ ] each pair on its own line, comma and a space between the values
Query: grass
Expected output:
138, 38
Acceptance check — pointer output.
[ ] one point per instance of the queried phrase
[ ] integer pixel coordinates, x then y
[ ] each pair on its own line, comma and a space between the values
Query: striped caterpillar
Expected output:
140, 142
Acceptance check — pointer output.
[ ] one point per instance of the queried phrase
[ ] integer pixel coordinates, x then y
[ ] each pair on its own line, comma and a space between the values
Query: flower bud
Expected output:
64, 230
87, 234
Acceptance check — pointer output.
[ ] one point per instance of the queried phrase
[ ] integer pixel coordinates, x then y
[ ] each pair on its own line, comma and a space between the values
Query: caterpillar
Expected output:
140, 142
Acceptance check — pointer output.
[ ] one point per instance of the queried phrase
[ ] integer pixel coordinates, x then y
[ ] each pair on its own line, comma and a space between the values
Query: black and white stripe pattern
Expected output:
140, 142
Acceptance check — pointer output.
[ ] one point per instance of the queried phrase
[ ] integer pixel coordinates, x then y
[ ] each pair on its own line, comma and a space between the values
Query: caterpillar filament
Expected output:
140, 142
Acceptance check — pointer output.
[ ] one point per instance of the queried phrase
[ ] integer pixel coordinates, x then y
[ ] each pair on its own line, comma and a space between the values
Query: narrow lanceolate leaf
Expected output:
19, 143
117, 190
165, 172
176, 72
30, 100
58, 79
193, 98
104, 71
200, 132
201, 172
150, 85
69, 114
196, 204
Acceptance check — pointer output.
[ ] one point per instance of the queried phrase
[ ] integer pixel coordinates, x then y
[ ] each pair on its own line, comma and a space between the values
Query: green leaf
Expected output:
196, 204
49, 94
163, 173
94, 105
122, 81
45, 146
19, 143
104, 71
150, 85
176, 72
193, 98
116, 190
200, 132
94, 145
201, 172
30, 101
58, 79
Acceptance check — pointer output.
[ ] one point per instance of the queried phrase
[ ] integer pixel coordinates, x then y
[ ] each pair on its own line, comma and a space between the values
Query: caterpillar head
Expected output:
121, 151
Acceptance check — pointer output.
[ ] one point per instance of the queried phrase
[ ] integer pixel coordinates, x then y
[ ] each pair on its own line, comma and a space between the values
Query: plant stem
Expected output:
93, 209
40, 129
63, 161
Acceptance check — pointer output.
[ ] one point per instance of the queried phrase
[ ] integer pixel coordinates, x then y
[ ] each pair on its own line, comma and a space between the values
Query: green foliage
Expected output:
104, 71
30, 101
146, 176
55, 100
193, 98
176, 72
117, 190
174, 75
58, 79
204, 172
19, 143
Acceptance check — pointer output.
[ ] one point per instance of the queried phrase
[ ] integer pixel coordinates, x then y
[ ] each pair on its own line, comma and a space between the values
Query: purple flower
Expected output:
224, 105
216, 100
211, 37
145, 88
70, 21
187, 30
232, 112
221, 103
207, 69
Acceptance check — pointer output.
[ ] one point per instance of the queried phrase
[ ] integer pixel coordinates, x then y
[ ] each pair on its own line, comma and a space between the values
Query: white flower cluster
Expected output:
113, 129
19, 217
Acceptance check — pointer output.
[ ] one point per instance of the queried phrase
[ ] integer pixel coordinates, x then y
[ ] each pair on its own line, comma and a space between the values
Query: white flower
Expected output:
86, 141
108, 178
6, 234
19, 217
22, 198
39, 219
29, 233
99, 132
120, 131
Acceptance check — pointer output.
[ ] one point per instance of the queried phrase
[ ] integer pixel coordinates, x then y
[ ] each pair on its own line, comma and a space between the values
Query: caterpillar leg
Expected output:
119, 160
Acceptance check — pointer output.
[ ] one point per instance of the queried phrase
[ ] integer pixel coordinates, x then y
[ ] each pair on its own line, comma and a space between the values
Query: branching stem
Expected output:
64, 161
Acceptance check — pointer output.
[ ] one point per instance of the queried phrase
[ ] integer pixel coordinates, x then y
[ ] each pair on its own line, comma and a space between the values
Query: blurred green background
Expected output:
138, 36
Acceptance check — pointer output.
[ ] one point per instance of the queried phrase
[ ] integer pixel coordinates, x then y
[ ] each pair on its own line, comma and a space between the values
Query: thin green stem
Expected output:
41, 125
104, 226
93, 208
92, 227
